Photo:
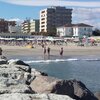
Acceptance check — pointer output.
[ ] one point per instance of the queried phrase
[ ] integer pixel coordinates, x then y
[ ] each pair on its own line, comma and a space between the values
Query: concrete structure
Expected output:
4, 24
34, 26
77, 30
30, 26
53, 17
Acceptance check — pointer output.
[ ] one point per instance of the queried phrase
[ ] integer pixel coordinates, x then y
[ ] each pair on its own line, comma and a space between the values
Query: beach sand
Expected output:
70, 50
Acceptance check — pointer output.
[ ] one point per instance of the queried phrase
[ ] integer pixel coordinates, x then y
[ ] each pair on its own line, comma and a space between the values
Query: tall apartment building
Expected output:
25, 26
53, 17
30, 26
34, 26
4, 25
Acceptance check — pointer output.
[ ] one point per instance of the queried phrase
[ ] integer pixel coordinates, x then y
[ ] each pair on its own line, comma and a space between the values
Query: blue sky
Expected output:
87, 11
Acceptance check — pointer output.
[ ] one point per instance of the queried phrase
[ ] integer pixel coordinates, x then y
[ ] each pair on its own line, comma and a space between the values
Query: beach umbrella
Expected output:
20, 39
30, 39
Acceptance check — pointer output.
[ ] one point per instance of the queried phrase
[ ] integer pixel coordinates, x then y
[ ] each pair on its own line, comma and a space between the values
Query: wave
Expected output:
60, 60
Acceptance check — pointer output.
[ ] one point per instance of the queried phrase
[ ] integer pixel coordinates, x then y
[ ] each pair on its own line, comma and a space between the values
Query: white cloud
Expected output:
54, 3
87, 15
18, 21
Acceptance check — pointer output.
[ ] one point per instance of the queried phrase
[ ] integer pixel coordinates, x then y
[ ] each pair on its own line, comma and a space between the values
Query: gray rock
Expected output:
17, 96
16, 76
3, 61
18, 88
20, 65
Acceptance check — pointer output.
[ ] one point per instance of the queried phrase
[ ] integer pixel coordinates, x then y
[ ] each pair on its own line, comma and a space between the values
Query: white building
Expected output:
14, 29
76, 30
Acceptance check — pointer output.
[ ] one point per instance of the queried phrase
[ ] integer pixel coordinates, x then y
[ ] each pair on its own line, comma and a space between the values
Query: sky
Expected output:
84, 11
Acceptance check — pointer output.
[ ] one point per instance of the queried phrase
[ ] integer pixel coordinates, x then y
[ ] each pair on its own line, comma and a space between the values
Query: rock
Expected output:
3, 61
38, 73
43, 84
18, 96
44, 74
82, 92
28, 78
20, 64
18, 88
18, 80
63, 87
17, 61
73, 88
97, 94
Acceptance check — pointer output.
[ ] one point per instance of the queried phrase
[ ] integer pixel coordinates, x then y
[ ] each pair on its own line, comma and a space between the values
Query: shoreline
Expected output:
38, 51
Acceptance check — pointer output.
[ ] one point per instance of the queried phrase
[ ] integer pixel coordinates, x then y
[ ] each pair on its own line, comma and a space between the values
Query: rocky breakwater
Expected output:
18, 81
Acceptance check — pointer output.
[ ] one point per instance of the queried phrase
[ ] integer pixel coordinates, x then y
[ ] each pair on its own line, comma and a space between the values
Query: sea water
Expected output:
82, 68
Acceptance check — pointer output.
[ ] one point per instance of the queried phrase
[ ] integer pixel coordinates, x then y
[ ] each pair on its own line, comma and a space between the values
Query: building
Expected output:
14, 29
30, 26
25, 26
76, 30
53, 17
4, 25
34, 26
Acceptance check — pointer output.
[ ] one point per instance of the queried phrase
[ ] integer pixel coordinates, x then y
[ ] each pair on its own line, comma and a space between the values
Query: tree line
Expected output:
96, 32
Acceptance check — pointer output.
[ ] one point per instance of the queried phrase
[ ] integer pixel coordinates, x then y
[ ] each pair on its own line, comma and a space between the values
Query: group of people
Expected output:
47, 50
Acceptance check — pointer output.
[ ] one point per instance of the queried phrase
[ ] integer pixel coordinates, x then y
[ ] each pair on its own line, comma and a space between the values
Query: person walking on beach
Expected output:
61, 52
48, 50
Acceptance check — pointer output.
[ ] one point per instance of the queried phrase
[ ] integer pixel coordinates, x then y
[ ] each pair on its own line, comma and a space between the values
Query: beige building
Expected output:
25, 27
53, 17
34, 26
30, 26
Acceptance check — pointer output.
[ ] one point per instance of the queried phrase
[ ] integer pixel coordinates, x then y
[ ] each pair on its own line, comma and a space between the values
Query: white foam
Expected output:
48, 61
61, 60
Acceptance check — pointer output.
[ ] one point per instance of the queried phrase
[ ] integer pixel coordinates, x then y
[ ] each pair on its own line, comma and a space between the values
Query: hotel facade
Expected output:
30, 26
76, 30
53, 17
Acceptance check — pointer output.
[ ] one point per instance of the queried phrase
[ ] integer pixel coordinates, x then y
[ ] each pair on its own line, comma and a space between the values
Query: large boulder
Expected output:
72, 88
97, 94
43, 84
17, 96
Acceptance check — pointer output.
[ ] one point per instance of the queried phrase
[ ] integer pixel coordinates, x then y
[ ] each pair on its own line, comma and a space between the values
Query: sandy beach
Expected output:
70, 50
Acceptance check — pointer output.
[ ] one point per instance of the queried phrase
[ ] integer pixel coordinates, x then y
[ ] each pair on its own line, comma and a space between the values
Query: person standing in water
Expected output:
44, 50
48, 50
61, 52
0, 51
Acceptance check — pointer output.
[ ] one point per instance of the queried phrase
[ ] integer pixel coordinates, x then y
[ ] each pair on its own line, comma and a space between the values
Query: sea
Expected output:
81, 68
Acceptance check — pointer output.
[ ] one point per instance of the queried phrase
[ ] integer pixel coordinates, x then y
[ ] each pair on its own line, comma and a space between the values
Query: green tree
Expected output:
96, 32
